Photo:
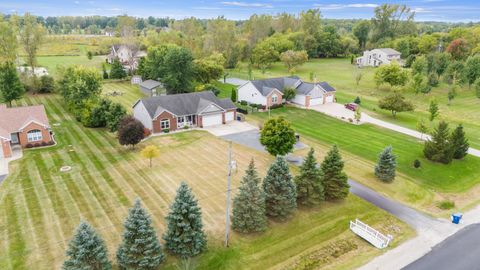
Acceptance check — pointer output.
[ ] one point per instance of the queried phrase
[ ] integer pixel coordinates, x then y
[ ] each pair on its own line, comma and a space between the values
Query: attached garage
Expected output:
229, 116
211, 120
329, 99
316, 101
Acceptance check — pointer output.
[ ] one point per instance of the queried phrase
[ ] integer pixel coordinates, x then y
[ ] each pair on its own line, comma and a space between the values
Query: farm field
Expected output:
129, 93
40, 207
367, 141
341, 75
53, 63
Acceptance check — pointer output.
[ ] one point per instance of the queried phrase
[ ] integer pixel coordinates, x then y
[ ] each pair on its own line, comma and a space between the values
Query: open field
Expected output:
367, 141
40, 207
130, 93
53, 63
341, 75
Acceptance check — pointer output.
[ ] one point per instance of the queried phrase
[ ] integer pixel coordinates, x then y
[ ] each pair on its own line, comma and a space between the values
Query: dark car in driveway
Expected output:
351, 106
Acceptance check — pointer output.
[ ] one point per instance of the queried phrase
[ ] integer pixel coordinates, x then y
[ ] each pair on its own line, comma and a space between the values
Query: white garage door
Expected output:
316, 101
1, 149
229, 116
329, 99
212, 120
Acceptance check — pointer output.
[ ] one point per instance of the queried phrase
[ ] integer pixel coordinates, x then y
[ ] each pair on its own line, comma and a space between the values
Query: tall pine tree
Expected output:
386, 166
87, 250
280, 190
459, 143
310, 181
140, 248
335, 181
249, 204
185, 236
439, 149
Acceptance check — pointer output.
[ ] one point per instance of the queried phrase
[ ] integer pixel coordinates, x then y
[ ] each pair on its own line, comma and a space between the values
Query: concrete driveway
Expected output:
334, 110
230, 128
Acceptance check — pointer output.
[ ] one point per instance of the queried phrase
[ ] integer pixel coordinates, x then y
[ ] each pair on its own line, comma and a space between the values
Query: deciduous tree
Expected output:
458, 48
10, 86
150, 152
117, 71
293, 59
130, 131
32, 35
392, 74
277, 136
395, 103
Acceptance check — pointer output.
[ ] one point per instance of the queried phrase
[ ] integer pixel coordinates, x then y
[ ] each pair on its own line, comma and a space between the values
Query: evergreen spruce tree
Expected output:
310, 181
87, 250
459, 143
140, 248
249, 204
439, 149
335, 181
185, 236
386, 166
280, 190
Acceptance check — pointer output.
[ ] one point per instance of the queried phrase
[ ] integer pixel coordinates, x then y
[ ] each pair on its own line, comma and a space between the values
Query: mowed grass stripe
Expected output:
95, 161
16, 242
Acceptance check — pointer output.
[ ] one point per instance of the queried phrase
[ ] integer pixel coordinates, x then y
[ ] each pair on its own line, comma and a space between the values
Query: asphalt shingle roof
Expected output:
184, 104
389, 51
268, 85
12, 119
150, 84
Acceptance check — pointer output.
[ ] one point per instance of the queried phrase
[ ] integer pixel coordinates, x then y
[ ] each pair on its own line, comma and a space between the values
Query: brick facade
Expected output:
279, 99
6, 148
23, 138
164, 115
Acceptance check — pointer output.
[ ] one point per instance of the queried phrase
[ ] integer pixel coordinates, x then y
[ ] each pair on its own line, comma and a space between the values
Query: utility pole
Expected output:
229, 178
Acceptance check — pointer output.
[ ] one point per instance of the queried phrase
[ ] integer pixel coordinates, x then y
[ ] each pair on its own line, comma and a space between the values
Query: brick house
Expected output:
173, 112
269, 92
25, 126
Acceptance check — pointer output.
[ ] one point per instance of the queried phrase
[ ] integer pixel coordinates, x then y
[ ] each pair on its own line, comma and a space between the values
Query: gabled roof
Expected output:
389, 51
150, 84
184, 104
14, 119
265, 87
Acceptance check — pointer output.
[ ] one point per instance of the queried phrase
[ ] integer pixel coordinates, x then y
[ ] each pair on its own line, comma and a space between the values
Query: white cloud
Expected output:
76, 2
343, 6
420, 10
243, 4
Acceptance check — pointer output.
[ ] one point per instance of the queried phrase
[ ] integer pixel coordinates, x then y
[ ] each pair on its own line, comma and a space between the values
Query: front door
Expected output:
14, 137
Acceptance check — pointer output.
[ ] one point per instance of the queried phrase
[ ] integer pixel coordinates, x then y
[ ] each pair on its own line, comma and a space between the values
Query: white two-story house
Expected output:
377, 57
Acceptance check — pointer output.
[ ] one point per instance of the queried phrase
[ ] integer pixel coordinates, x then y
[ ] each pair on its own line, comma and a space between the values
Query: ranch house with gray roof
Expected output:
269, 92
173, 112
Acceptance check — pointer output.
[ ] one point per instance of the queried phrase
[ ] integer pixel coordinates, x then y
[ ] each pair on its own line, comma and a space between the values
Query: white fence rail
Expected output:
370, 234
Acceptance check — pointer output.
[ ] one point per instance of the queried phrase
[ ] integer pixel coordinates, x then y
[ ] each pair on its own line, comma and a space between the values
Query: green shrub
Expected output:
166, 130
244, 103
417, 164
446, 205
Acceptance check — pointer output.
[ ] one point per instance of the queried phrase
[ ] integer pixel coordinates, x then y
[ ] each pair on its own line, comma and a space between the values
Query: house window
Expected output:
34, 135
274, 99
181, 120
165, 123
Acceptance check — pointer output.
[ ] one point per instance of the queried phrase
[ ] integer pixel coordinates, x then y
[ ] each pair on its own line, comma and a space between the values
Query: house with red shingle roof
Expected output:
25, 126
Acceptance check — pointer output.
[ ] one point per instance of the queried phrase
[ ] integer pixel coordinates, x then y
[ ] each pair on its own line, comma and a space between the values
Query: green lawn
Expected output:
368, 141
53, 63
130, 92
41, 206
340, 74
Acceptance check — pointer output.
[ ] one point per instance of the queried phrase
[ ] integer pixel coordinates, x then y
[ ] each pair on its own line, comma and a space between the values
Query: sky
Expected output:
426, 10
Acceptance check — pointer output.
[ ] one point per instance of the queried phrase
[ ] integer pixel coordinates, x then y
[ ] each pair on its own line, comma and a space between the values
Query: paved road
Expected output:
460, 252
